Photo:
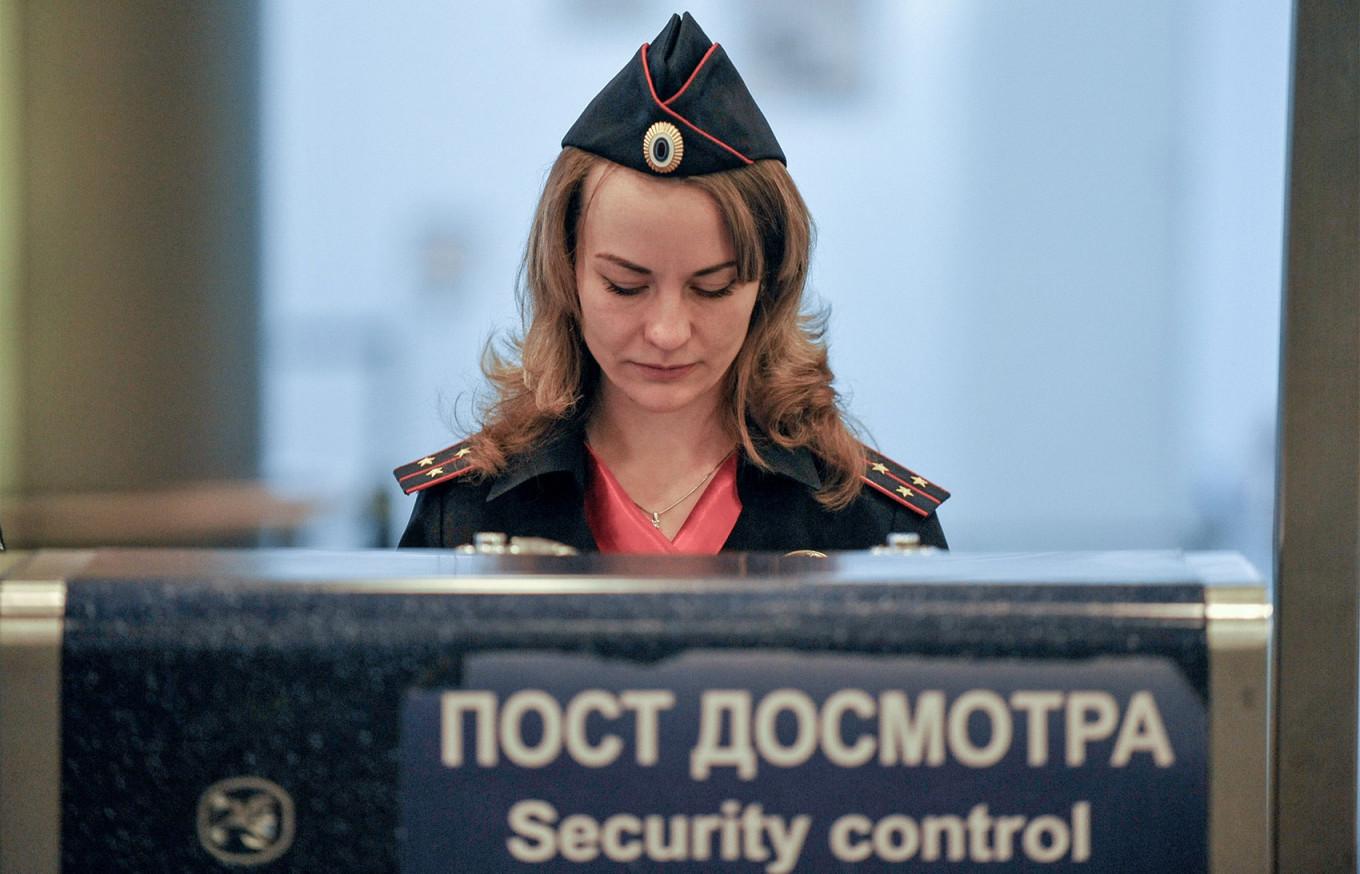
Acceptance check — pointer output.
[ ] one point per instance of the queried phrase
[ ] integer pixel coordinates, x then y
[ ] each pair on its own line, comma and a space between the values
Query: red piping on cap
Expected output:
647, 73
704, 60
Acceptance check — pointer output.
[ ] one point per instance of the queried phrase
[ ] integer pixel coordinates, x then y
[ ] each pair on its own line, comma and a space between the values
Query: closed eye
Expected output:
622, 290
714, 294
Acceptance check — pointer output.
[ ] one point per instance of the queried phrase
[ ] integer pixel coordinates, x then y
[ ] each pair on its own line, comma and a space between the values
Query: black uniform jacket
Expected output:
542, 494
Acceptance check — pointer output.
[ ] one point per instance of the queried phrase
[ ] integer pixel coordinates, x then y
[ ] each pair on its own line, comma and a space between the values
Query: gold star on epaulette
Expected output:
440, 467
901, 485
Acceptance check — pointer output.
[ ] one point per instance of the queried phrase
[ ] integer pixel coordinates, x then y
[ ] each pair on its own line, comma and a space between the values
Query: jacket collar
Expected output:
796, 464
564, 452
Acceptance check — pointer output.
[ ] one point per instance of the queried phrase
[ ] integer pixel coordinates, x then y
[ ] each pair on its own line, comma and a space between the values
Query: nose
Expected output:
668, 324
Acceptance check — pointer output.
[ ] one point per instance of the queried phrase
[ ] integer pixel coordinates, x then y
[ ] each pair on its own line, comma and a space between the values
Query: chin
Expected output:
655, 399
662, 405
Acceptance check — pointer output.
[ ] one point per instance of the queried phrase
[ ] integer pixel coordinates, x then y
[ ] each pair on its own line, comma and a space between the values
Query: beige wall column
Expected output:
11, 151
137, 304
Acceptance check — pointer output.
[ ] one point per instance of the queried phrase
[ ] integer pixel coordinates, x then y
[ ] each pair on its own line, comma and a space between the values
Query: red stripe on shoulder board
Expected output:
902, 485
413, 487
904, 501
441, 466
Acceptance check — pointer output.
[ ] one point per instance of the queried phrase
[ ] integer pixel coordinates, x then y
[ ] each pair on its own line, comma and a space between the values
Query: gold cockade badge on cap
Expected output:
663, 147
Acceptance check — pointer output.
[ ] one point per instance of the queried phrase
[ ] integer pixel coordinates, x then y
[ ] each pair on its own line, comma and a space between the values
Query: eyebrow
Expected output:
635, 268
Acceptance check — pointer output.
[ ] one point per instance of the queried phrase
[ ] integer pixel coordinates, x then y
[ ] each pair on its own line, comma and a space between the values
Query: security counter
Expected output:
207, 711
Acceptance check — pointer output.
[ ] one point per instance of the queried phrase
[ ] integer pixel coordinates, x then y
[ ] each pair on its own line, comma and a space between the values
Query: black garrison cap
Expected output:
679, 108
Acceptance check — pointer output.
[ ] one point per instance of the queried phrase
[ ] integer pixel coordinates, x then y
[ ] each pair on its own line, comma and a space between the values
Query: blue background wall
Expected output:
1049, 234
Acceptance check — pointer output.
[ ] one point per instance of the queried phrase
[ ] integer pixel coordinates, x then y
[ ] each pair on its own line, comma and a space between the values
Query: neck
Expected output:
658, 457
658, 439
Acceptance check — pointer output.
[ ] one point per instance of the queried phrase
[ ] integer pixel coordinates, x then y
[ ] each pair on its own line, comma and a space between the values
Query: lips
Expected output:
663, 372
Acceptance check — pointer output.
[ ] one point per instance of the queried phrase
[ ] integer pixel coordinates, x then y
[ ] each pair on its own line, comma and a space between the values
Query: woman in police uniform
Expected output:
668, 394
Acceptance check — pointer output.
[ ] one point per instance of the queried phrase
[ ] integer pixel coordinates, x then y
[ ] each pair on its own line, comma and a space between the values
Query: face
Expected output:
662, 311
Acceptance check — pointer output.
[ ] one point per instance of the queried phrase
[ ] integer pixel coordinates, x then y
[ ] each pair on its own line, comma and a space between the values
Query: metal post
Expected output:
1318, 522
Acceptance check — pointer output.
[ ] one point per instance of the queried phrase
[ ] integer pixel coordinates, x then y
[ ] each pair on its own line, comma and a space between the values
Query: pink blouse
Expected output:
619, 525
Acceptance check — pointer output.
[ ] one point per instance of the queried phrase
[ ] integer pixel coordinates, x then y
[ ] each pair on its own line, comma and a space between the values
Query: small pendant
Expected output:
656, 521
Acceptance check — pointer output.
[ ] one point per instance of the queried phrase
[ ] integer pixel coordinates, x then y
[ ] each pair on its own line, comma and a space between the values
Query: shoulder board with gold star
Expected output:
444, 465
906, 487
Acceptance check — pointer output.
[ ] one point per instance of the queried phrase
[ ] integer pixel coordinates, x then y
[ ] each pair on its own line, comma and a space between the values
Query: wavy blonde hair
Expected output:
778, 389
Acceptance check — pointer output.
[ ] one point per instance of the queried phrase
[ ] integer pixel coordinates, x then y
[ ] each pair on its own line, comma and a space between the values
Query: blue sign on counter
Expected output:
781, 762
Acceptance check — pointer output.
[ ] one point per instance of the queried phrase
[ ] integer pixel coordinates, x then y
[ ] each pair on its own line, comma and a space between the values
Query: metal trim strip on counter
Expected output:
1238, 623
32, 617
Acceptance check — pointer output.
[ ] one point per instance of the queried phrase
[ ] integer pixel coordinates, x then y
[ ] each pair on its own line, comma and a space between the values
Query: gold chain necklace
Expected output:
657, 514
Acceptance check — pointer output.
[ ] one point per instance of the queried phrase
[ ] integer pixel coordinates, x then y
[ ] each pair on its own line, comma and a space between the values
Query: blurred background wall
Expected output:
1050, 239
